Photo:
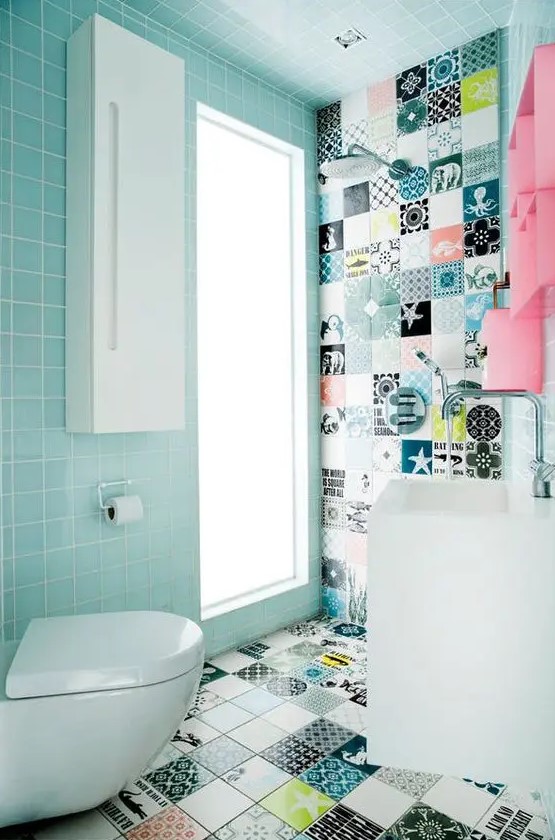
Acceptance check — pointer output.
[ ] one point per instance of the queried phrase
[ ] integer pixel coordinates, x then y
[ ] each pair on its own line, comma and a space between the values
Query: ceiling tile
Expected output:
290, 42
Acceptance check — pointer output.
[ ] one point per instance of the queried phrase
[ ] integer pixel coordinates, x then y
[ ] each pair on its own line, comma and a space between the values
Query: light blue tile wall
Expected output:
58, 556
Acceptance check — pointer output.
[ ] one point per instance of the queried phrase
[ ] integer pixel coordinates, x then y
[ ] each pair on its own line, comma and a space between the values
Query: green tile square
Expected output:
480, 90
297, 804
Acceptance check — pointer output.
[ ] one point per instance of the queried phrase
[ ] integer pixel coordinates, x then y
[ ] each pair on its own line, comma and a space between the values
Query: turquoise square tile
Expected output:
59, 563
27, 100
56, 443
54, 258
54, 321
59, 533
27, 414
54, 199
59, 595
54, 382
28, 539
57, 473
88, 587
27, 287
26, 36
29, 603
27, 162
54, 414
87, 558
29, 571
56, 21
54, 140
54, 233
26, 319
55, 80
27, 192
58, 504
27, 130
27, 477
30, 12
86, 529
54, 291
54, 169
27, 382
26, 350
54, 109
54, 49
28, 507
27, 255
27, 224
54, 352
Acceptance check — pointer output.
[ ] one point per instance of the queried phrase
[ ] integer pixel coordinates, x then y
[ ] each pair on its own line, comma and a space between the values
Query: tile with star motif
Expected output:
417, 457
297, 804
416, 318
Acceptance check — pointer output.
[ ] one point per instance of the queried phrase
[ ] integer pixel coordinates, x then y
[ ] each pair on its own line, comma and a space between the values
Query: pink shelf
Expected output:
515, 358
532, 192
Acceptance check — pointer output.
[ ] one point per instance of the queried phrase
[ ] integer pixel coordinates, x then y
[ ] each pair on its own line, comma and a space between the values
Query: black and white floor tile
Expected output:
267, 755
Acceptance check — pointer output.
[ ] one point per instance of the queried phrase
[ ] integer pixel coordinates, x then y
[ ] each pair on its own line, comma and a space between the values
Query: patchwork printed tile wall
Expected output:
58, 556
402, 266
274, 745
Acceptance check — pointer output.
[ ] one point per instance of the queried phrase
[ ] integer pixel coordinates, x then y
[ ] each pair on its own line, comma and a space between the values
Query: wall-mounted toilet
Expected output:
86, 702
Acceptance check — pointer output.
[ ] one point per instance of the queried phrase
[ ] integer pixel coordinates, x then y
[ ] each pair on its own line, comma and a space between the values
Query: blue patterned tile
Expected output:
444, 69
331, 267
415, 184
333, 602
333, 777
419, 380
448, 279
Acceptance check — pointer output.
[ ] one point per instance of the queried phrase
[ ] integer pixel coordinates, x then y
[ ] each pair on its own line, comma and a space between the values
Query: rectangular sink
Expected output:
461, 605
436, 497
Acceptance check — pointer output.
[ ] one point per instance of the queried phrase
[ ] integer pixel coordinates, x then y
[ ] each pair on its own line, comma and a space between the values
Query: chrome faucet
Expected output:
543, 471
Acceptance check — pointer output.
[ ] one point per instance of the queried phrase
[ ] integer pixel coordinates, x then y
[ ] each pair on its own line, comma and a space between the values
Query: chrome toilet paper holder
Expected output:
102, 486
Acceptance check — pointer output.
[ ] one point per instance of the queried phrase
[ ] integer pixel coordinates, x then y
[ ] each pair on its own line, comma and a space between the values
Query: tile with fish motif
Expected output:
447, 244
480, 273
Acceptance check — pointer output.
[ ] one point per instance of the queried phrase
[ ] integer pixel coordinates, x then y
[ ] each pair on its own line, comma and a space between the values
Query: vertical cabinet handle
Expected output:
113, 197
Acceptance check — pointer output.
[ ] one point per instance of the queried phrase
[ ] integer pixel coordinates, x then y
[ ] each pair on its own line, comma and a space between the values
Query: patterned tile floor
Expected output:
273, 748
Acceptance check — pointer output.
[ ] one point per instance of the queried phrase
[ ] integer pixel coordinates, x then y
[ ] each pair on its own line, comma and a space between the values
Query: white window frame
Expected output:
299, 373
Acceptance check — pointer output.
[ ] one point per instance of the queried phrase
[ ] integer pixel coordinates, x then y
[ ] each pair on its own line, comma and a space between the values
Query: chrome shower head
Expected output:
430, 364
360, 162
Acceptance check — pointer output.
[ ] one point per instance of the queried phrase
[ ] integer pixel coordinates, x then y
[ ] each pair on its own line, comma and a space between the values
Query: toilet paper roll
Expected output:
120, 510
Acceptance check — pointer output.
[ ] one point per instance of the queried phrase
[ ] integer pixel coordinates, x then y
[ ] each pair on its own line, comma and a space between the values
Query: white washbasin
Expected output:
461, 583
459, 497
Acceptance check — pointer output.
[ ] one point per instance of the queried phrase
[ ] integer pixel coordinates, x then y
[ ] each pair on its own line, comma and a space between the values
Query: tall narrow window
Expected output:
252, 349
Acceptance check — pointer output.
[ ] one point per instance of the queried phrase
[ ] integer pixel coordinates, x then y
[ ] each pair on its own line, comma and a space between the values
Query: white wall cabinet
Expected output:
125, 368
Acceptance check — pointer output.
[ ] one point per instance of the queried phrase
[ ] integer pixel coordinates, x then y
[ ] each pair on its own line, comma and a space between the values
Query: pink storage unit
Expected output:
515, 358
532, 192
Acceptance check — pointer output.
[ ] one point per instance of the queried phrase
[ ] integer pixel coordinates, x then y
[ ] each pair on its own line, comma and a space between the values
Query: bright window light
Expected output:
252, 404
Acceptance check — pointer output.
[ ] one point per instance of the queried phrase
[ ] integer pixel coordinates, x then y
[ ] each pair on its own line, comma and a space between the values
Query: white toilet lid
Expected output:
100, 652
